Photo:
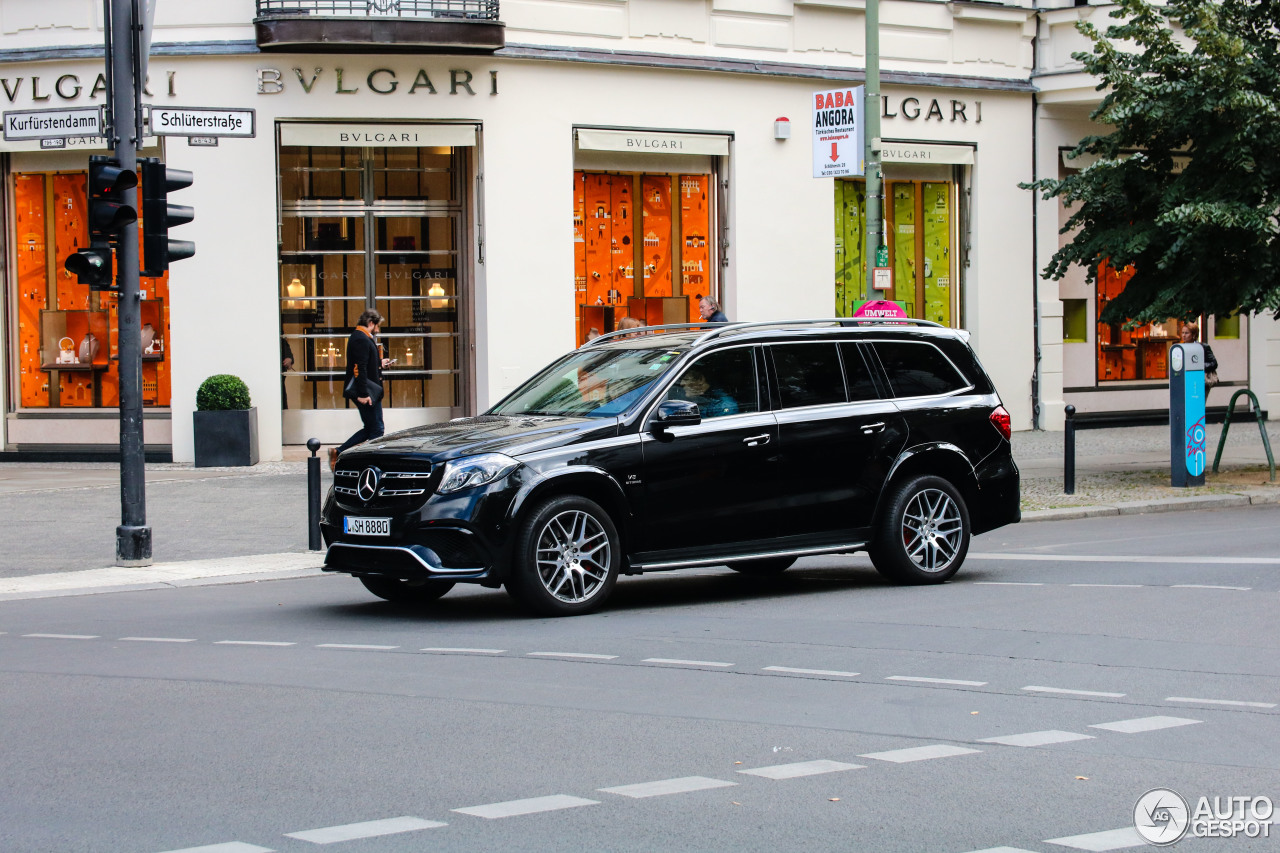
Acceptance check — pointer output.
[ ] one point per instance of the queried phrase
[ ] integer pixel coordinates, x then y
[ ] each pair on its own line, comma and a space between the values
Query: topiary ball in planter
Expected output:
226, 425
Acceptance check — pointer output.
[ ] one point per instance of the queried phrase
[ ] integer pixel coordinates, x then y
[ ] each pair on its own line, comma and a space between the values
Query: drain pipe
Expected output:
1035, 235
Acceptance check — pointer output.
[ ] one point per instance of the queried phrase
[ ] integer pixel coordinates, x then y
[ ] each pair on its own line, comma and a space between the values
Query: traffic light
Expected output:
158, 216
108, 216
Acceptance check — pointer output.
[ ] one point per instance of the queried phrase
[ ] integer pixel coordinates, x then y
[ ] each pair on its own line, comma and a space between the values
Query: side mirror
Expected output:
675, 413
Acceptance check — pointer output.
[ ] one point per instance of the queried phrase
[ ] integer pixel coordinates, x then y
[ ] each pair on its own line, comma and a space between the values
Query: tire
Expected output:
764, 567
923, 535
567, 557
405, 592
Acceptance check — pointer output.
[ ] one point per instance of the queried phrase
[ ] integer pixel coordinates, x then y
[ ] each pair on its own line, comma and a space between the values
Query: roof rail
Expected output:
720, 329
643, 330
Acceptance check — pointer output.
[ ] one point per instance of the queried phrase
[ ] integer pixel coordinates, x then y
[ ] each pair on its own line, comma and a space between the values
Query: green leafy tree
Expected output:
1186, 185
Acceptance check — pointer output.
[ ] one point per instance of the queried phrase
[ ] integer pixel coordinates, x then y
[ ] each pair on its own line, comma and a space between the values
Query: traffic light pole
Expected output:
133, 536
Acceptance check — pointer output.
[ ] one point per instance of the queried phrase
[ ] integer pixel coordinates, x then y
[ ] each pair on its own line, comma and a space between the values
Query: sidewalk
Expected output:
213, 524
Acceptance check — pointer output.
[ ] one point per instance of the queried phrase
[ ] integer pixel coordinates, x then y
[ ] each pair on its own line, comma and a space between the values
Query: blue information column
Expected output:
1186, 415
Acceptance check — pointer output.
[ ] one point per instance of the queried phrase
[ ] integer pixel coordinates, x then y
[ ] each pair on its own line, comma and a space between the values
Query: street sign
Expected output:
838, 132
203, 121
20, 125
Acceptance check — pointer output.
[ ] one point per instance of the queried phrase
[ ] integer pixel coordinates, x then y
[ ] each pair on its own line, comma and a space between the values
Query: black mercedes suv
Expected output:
742, 444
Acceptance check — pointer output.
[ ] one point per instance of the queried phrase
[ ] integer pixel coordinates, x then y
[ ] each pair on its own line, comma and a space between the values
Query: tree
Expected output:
1186, 185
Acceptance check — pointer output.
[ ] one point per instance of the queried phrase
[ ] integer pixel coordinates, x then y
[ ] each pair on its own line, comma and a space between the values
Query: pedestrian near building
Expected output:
363, 381
1190, 333
710, 310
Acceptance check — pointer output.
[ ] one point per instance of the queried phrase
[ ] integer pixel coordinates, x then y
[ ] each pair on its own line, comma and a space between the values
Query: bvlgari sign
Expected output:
377, 135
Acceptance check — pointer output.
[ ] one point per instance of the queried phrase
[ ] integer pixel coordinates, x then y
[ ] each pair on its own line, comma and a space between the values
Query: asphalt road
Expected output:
1070, 667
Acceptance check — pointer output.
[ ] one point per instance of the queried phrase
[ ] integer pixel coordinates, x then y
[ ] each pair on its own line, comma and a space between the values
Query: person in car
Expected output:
712, 402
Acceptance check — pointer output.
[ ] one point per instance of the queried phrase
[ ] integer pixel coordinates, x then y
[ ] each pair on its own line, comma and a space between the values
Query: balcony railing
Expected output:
357, 26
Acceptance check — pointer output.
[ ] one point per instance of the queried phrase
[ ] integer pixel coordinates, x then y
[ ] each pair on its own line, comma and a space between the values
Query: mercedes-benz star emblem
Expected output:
368, 484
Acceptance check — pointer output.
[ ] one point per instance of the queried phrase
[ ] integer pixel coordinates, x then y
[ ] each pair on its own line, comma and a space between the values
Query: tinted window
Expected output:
856, 374
808, 374
721, 383
593, 383
918, 369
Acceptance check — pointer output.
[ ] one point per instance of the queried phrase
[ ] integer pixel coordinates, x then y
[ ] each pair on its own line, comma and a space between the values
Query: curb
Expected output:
1252, 497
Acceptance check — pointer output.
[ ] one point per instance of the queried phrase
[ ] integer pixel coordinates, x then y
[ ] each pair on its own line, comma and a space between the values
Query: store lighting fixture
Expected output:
436, 290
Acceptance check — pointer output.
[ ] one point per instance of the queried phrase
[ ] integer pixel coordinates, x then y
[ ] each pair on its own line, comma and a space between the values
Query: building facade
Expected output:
497, 182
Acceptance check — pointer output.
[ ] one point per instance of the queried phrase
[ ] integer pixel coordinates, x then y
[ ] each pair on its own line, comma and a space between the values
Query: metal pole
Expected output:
313, 496
1069, 452
871, 120
133, 536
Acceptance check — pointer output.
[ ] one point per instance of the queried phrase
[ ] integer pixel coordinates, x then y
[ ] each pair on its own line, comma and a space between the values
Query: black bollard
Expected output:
313, 496
1069, 452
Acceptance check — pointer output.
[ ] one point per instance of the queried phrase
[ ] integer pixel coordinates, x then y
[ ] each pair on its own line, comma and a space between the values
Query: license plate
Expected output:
367, 526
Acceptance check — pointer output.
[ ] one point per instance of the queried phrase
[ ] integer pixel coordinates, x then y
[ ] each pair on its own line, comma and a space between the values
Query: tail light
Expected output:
1001, 421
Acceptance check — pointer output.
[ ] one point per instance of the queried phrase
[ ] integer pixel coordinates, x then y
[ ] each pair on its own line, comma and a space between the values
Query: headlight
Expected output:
474, 471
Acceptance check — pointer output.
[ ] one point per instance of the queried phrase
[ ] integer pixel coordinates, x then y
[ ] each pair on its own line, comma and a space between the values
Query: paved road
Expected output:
1071, 667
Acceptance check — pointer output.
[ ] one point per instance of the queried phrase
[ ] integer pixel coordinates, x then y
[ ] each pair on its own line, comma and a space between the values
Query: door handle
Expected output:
756, 440
868, 429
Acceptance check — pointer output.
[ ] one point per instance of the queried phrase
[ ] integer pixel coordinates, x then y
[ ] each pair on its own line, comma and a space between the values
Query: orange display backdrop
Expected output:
695, 231
30, 263
608, 251
656, 227
1117, 349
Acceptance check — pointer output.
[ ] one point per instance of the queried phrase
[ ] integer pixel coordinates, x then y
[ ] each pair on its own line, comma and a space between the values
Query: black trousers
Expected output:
371, 425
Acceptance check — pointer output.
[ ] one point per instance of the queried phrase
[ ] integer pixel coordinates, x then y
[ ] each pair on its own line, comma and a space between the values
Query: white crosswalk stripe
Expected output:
228, 847
366, 829
664, 787
1097, 842
532, 805
1145, 724
801, 768
1037, 738
919, 753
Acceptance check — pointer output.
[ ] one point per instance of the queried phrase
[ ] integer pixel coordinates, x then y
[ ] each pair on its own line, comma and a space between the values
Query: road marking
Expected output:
1113, 839
802, 768
358, 646
229, 847
533, 805
677, 662
1035, 689
1095, 558
1002, 850
668, 786
793, 670
582, 655
251, 643
1111, 585
157, 640
367, 829
63, 636
1005, 583
935, 680
1037, 738
1221, 702
919, 753
1145, 724
1210, 586
467, 651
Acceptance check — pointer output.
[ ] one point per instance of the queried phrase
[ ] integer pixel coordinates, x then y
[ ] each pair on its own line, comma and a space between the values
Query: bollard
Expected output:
313, 496
1069, 452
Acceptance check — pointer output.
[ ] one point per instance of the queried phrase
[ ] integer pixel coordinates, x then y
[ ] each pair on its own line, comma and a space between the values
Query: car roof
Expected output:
693, 335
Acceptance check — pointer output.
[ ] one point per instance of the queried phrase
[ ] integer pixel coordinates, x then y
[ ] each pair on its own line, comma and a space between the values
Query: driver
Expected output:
712, 402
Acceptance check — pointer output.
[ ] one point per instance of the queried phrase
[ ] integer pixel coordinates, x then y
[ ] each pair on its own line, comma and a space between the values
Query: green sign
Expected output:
882, 256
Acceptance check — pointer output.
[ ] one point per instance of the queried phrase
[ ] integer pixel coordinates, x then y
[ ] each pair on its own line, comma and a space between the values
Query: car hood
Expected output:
513, 436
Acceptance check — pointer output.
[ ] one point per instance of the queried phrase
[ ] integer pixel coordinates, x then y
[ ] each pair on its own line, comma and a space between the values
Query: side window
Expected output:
918, 369
856, 373
808, 374
721, 383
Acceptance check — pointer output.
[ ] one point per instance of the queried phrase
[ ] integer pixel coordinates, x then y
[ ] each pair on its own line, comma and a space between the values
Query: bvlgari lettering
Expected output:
643, 142
67, 87
911, 108
380, 81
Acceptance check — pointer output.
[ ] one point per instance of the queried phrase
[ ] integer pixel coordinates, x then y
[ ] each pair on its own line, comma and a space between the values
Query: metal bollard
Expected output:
1069, 452
313, 496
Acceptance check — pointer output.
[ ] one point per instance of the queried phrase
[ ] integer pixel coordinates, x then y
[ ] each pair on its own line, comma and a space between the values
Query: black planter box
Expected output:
226, 439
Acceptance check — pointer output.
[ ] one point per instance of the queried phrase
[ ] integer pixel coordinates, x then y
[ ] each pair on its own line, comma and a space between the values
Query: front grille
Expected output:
393, 486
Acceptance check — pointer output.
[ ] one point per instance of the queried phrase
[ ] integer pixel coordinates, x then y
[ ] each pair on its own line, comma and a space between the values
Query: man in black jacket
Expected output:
363, 381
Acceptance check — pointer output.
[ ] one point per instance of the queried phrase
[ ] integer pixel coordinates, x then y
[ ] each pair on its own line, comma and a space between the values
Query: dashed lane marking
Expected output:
533, 805
795, 671
157, 639
1111, 585
1037, 738
923, 680
251, 643
802, 768
919, 753
682, 785
1097, 558
228, 847
1003, 850
678, 662
63, 636
367, 829
356, 646
1210, 586
466, 651
1145, 724
1005, 583
1065, 691
573, 655
1112, 839
1234, 702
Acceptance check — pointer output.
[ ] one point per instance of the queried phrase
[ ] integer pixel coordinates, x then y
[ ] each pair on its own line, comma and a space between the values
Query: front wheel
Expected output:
566, 559
923, 535
405, 592
763, 567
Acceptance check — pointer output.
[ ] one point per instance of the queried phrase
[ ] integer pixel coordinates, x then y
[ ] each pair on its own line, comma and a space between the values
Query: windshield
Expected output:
595, 383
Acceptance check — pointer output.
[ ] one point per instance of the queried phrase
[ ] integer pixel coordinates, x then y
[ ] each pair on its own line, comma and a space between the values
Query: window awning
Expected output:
924, 152
377, 135
653, 142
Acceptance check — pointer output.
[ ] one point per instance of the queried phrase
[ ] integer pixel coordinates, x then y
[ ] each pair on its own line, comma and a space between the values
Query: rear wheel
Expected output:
923, 535
763, 567
405, 592
566, 559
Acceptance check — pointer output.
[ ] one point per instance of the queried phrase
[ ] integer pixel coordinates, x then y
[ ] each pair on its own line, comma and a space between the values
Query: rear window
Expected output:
918, 369
808, 374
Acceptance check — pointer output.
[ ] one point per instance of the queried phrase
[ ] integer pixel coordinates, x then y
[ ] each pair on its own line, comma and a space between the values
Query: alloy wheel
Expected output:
573, 556
932, 530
